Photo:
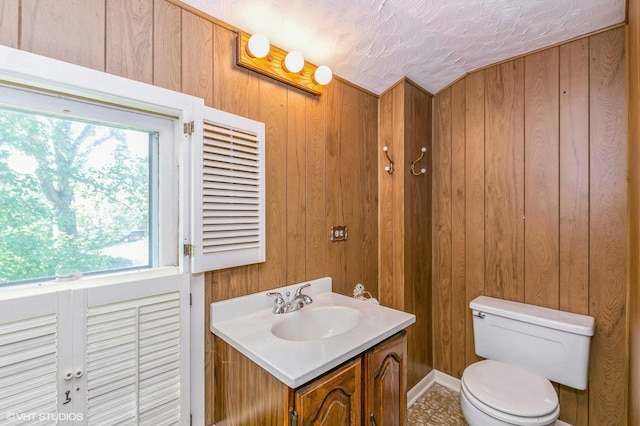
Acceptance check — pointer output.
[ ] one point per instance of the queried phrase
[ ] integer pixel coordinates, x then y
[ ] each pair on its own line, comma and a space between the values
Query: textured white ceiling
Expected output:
374, 43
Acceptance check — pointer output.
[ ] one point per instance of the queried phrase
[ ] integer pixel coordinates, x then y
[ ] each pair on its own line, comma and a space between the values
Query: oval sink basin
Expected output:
316, 323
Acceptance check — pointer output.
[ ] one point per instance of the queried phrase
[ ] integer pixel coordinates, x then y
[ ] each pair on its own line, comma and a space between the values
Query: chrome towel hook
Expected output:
390, 167
413, 164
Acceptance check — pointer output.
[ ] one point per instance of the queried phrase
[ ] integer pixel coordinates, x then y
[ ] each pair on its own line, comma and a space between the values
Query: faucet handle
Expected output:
305, 298
278, 304
299, 289
274, 293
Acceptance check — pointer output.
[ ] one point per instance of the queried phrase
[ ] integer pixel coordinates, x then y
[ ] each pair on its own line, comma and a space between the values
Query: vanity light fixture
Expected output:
323, 75
255, 53
258, 46
293, 62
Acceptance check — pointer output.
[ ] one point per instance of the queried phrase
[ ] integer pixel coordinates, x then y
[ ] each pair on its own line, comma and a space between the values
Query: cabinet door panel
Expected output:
137, 352
333, 400
33, 358
385, 372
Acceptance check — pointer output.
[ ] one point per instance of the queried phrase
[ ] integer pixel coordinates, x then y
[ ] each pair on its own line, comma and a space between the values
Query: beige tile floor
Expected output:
439, 406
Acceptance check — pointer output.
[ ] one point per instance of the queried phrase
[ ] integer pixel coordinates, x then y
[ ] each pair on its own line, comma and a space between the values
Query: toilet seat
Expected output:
510, 394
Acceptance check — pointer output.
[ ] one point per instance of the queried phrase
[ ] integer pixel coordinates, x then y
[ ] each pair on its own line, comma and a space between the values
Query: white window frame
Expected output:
34, 71
164, 221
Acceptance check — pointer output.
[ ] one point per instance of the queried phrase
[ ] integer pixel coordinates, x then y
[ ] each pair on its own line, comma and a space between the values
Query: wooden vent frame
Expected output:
271, 66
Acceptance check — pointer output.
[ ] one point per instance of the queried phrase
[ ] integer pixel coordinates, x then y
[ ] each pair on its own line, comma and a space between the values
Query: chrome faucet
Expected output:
295, 303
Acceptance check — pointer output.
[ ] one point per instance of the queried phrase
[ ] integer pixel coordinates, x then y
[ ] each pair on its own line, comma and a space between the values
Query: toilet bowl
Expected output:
524, 347
497, 394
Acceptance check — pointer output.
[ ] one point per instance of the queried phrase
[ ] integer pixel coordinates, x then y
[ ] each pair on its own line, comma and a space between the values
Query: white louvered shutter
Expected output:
32, 359
228, 190
137, 354
116, 354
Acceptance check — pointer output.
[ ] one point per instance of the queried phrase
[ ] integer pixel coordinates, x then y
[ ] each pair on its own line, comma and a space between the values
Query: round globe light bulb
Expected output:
323, 75
294, 61
258, 46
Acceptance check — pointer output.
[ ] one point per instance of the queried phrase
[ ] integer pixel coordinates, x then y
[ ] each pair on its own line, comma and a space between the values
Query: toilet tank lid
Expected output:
546, 317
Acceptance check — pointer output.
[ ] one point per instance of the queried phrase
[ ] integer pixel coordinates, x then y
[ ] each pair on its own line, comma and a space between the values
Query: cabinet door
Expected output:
332, 400
137, 352
386, 377
107, 354
34, 360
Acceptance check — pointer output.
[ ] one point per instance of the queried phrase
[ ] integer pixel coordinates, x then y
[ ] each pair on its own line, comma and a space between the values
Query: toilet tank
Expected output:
548, 342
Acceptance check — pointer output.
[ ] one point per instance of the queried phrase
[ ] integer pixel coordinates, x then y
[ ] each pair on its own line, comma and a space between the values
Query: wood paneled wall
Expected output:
405, 225
540, 137
530, 199
633, 142
321, 151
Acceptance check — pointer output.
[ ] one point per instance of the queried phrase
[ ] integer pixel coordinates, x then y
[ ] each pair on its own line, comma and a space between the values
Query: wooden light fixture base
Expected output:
271, 66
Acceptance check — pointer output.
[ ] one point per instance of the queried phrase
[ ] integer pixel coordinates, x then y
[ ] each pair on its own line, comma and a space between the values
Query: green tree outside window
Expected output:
74, 196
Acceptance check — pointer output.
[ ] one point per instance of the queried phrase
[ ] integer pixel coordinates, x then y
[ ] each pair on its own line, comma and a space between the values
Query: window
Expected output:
91, 179
96, 177
82, 188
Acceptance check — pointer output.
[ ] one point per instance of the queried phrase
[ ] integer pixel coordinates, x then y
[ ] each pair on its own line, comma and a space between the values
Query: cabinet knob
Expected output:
373, 420
78, 374
68, 375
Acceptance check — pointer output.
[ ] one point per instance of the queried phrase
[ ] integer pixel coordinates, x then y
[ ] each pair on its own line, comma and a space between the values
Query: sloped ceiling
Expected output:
374, 43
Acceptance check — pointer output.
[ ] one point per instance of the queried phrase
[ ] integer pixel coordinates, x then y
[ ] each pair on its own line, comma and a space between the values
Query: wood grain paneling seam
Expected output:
633, 136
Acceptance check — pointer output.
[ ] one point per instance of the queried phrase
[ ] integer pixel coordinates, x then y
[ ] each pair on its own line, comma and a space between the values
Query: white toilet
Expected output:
525, 346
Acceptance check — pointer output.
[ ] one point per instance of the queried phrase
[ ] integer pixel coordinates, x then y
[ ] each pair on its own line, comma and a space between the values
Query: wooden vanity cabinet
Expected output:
332, 400
385, 377
373, 383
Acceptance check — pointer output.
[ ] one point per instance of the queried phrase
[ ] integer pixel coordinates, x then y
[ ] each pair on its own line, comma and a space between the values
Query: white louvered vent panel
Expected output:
133, 362
160, 362
28, 367
232, 188
111, 365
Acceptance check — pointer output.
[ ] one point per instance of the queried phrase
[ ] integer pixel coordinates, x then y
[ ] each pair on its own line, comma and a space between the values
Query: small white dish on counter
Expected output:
299, 346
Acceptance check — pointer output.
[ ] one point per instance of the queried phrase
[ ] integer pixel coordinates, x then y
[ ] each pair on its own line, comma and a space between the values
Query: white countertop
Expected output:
245, 323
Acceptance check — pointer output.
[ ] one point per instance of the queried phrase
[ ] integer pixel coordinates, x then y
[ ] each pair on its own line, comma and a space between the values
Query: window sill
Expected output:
88, 282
